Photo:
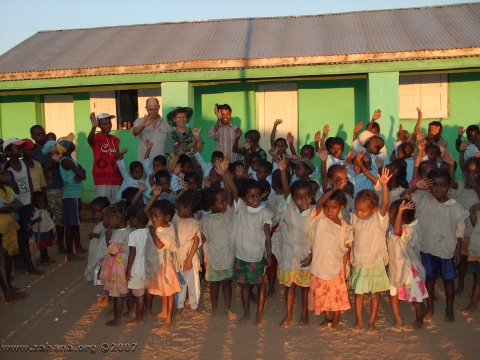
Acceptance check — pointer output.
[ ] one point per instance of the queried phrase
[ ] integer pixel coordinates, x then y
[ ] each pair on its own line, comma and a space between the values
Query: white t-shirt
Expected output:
21, 178
274, 204
466, 198
247, 234
138, 239
187, 229
218, 247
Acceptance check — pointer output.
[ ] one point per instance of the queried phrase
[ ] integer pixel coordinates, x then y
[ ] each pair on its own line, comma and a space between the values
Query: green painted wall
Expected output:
176, 94
241, 98
339, 103
18, 114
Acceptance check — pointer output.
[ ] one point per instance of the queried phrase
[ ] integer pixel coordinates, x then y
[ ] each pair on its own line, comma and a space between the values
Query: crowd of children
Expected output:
364, 221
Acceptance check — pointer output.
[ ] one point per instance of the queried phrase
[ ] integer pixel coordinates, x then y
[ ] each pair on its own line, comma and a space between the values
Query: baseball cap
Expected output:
104, 116
14, 141
305, 162
364, 136
28, 144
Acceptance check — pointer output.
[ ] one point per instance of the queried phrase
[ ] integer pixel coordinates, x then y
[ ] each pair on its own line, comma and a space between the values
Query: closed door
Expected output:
59, 117
277, 101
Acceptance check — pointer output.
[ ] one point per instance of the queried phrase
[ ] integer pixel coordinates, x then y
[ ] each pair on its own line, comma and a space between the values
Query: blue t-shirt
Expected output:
55, 171
71, 189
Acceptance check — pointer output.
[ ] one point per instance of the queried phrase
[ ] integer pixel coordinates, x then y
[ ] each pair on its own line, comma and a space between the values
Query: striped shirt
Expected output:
224, 140
259, 150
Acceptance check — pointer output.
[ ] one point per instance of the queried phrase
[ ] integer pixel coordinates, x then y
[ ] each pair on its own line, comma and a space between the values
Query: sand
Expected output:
62, 310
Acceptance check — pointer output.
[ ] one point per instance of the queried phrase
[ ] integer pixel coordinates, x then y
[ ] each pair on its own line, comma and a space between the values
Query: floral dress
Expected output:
185, 141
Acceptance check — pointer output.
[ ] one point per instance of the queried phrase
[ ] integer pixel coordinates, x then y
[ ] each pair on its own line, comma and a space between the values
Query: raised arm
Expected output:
326, 129
461, 156
141, 188
148, 146
282, 166
146, 122
397, 228
336, 185
323, 155
317, 139
198, 146
218, 114
235, 147
420, 185
274, 132
356, 129
376, 115
290, 140
417, 125
157, 190
219, 168
383, 179
91, 134
222, 170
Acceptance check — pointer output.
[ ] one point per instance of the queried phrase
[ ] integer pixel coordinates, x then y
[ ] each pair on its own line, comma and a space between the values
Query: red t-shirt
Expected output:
105, 170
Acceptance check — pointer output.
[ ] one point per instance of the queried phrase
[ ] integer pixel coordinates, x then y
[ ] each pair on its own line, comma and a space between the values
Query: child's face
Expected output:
471, 136
96, 213
374, 145
302, 171
134, 222
253, 197
240, 172
342, 177
215, 159
164, 182
51, 136
187, 167
254, 163
302, 198
364, 209
434, 130
158, 218
41, 203
440, 188
426, 170
332, 208
262, 173
193, 184
472, 173
392, 215
137, 173
113, 220
432, 154
215, 179
157, 165
28, 153
281, 146
336, 150
226, 116
315, 188
3, 177
105, 125
252, 141
184, 211
306, 153
15, 151
220, 205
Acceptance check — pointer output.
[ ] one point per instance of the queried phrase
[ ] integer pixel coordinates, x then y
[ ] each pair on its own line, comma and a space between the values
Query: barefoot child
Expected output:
43, 226
294, 236
369, 251
217, 247
442, 221
250, 237
135, 272
405, 269
164, 282
113, 268
330, 252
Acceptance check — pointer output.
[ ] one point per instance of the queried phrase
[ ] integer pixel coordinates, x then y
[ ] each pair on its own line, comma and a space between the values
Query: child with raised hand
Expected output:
468, 151
217, 246
405, 269
397, 183
369, 251
442, 221
330, 251
164, 281
162, 182
279, 146
253, 137
113, 271
135, 272
294, 237
250, 236
207, 167
361, 172
131, 178
42, 225
183, 165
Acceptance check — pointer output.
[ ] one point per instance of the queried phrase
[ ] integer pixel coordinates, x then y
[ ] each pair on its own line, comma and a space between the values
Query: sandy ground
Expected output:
62, 310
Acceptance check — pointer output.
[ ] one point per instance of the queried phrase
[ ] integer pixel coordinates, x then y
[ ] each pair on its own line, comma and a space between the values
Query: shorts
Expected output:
473, 267
138, 292
71, 212
248, 272
434, 265
25, 220
55, 197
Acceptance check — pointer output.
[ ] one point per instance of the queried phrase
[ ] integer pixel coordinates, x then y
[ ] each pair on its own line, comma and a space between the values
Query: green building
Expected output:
308, 71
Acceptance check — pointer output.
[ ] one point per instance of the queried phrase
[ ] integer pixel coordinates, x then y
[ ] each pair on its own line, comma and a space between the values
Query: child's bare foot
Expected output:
196, 314
270, 294
470, 308
358, 326
129, 314
109, 312
260, 320
397, 326
416, 325
303, 321
334, 324
179, 312
428, 314
113, 323
449, 317
460, 289
161, 315
244, 319
372, 329
165, 328
231, 315
134, 322
102, 301
148, 314
325, 323
286, 321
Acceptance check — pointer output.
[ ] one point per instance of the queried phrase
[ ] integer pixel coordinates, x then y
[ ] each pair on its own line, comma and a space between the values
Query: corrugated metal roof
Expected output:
368, 32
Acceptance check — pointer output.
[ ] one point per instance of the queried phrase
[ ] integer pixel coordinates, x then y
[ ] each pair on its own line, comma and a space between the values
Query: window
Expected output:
428, 92
127, 108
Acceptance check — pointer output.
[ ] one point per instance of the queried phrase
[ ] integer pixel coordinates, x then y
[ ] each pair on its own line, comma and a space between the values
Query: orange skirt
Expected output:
328, 295
165, 282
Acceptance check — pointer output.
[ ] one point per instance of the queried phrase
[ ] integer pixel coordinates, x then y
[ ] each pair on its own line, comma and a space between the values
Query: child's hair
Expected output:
192, 175
379, 143
162, 174
51, 136
164, 206
37, 196
161, 159
102, 202
217, 154
224, 107
399, 169
240, 185
336, 141
209, 196
433, 147
255, 155
422, 168
135, 165
128, 194
300, 184
440, 173
119, 208
308, 148
184, 160
264, 186
189, 200
267, 165
137, 212
248, 184
376, 126
367, 195
473, 160
277, 178
332, 170
328, 143
253, 135
233, 166
339, 195
408, 214
436, 123
281, 140
472, 128
407, 148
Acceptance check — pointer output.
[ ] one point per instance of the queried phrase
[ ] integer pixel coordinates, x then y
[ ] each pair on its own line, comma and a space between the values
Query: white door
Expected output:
58, 110
103, 102
144, 94
278, 101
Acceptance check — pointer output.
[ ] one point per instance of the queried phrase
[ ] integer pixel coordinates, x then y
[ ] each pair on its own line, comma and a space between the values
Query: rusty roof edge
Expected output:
264, 18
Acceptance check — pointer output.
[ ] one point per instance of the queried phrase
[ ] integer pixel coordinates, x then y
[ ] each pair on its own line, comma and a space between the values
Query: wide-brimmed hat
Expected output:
185, 109
306, 162
63, 143
10, 141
